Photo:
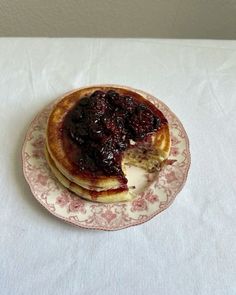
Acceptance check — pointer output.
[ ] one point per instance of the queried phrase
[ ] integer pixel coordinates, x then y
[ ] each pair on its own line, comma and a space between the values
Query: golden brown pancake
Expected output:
148, 154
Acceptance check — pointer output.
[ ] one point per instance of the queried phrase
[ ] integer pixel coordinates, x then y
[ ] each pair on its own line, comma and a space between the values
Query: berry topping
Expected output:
102, 126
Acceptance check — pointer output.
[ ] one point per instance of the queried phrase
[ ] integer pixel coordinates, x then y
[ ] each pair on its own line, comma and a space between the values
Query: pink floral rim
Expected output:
158, 195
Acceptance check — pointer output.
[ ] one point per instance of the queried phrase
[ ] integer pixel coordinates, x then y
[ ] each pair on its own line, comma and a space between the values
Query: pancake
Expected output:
148, 153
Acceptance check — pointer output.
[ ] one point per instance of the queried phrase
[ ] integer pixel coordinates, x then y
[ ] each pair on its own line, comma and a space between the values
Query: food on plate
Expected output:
93, 132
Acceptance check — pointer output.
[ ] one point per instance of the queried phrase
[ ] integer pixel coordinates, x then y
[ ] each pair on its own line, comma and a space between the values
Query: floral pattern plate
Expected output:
154, 193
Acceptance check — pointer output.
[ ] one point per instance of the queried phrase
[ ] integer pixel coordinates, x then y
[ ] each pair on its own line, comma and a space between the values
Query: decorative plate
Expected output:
154, 192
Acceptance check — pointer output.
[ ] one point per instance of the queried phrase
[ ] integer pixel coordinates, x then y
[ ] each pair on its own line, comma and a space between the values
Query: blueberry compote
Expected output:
100, 126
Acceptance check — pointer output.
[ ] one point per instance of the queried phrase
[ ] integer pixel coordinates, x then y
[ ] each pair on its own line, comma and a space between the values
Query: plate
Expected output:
153, 192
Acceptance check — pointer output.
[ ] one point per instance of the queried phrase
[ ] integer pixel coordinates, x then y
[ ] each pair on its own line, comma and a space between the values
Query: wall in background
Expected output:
214, 19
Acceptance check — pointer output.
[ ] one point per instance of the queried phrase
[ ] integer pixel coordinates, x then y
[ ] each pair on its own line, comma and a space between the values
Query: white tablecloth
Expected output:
189, 248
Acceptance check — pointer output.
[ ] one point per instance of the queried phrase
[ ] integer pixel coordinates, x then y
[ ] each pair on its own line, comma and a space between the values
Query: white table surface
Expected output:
189, 248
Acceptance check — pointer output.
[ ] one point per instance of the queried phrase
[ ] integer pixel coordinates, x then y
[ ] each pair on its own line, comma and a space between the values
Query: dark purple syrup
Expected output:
100, 127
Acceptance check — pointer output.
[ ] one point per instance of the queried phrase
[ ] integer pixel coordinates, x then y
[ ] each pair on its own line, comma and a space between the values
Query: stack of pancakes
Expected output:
148, 155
